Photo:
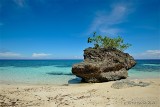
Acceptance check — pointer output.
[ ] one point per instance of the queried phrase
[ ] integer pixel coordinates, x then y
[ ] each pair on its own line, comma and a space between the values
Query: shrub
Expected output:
107, 42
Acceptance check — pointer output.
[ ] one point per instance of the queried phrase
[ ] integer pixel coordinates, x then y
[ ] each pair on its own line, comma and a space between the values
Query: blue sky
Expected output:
58, 29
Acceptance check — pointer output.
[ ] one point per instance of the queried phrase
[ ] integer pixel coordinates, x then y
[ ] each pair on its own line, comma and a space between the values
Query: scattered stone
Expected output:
127, 83
65, 85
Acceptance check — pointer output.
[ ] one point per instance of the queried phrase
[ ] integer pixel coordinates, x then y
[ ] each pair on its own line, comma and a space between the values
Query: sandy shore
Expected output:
82, 95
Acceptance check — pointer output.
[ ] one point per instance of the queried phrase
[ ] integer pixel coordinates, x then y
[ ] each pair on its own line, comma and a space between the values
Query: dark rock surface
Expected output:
103, 64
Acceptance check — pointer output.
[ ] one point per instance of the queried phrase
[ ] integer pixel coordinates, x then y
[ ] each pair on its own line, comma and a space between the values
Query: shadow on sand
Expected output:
75, 81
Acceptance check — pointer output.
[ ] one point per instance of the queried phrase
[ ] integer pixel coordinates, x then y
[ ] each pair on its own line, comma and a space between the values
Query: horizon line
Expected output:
70, 59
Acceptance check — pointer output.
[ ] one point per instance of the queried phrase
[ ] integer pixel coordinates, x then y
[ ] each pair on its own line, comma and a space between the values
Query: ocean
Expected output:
58, 72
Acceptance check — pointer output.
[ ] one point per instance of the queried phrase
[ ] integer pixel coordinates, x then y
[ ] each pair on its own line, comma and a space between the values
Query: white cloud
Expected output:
104, 21
40, 55
149, 54
77, 57
9, 55
146, 27
20, 3
153, 52
26, 4
1, 24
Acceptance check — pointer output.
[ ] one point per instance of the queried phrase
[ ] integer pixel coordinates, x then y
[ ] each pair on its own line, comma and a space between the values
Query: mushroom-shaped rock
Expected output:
103, 64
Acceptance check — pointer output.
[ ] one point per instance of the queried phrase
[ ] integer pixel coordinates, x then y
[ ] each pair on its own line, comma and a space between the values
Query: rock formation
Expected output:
103, 64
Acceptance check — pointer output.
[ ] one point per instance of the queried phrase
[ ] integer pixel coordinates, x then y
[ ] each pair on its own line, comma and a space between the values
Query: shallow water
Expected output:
145, 69
59, 71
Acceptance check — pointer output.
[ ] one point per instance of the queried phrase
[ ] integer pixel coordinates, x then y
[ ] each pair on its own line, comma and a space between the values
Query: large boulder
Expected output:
103, 64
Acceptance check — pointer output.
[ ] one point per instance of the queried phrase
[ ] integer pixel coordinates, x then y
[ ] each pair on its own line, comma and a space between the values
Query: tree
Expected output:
107, 42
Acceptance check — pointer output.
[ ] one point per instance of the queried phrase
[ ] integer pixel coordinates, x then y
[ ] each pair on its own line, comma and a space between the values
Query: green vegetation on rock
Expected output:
107, 42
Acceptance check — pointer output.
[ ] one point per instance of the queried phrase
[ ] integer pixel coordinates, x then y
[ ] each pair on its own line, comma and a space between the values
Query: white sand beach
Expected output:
81, 95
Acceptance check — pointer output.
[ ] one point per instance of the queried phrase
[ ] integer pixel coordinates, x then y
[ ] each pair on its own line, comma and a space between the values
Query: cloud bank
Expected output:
149, 54
9, 55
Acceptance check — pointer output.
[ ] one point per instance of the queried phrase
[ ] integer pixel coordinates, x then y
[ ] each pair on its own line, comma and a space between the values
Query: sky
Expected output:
58, 29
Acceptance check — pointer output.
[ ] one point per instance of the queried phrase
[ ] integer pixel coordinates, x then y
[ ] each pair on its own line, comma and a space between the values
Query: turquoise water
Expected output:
145, 69
37, 71
59, 71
